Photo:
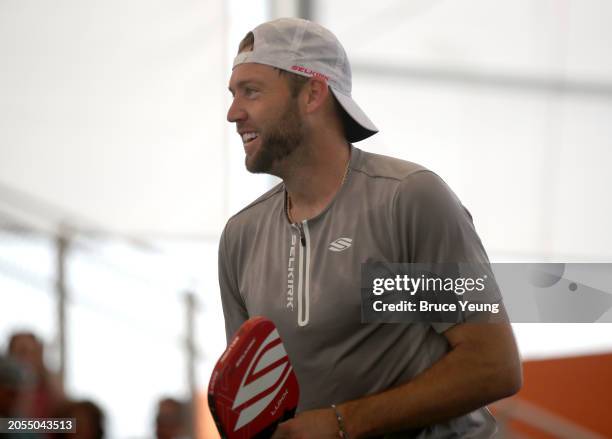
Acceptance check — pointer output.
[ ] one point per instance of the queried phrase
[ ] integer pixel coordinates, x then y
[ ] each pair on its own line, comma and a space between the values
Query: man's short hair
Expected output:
14, 338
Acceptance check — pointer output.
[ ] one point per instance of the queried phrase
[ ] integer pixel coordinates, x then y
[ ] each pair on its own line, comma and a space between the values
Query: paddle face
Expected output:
253, 386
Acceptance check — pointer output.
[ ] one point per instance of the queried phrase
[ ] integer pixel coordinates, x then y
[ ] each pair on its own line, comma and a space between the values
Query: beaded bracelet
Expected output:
342, 432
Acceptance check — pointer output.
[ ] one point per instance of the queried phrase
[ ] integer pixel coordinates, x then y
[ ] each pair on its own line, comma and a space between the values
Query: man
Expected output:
294, 255
172, 420
13, 380
89, 418
44, 394
11, 384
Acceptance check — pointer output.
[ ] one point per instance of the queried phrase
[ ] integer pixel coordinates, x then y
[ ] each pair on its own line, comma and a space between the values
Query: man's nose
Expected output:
236, 112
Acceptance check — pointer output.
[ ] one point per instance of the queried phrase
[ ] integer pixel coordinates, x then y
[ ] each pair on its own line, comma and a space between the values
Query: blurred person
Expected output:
172, 420
88, 416
294, 255
44, 393
11, 383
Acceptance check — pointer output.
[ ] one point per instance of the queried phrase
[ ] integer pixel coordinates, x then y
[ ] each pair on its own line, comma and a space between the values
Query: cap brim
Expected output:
357, 125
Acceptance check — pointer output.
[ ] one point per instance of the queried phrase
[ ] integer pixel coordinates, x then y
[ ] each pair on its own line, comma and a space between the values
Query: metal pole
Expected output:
305, 9
62, 244
190, 345
292, 8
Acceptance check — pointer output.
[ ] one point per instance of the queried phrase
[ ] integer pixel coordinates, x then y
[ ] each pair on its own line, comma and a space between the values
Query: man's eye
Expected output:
250, 91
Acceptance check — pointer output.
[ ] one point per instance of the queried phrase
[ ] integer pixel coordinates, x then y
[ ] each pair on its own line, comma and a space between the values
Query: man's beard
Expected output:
282, 139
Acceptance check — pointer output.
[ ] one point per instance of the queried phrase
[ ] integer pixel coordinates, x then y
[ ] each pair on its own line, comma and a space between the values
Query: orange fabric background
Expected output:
577, 388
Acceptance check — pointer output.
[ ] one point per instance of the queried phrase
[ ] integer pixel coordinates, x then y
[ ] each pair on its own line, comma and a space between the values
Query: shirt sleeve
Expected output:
234, 309
435, 228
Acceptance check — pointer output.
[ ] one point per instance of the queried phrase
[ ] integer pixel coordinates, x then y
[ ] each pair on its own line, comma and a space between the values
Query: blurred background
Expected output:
118, 171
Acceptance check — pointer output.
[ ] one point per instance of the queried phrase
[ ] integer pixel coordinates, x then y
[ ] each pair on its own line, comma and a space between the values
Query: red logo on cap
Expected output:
309, 72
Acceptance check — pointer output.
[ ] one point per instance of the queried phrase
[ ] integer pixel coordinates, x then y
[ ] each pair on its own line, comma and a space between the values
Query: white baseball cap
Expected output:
308, 49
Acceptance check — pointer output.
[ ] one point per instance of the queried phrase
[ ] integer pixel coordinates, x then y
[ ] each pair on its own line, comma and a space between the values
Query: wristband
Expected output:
341, 430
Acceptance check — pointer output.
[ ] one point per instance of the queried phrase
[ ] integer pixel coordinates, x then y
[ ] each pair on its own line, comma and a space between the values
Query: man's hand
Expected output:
312, 424
482, 366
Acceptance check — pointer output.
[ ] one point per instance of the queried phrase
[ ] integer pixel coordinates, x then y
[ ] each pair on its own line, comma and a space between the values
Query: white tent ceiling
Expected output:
114, 110
510, 102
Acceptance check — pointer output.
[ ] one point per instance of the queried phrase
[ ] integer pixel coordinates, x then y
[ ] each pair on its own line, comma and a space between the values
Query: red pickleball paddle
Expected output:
253, 386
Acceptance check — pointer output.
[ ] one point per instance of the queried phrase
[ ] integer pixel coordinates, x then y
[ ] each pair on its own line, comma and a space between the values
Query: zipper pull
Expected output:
302, 236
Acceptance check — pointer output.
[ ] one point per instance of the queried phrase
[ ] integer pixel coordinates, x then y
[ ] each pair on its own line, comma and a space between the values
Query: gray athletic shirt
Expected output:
306, 279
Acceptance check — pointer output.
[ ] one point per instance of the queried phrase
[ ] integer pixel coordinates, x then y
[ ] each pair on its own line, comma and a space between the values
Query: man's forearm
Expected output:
478, 370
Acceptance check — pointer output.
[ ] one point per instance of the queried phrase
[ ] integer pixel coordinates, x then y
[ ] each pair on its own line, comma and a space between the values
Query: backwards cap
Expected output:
308, 49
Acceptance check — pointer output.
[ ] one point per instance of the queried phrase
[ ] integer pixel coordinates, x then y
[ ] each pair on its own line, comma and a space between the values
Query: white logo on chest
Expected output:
340, 244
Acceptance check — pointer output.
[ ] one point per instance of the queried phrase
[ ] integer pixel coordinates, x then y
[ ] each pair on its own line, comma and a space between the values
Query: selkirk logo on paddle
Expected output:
253, 386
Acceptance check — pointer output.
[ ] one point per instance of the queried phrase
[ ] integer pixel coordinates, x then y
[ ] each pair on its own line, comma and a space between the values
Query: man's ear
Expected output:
316, 94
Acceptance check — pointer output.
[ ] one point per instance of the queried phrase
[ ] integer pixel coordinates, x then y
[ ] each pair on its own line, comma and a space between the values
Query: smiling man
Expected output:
279, 131
294, 255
